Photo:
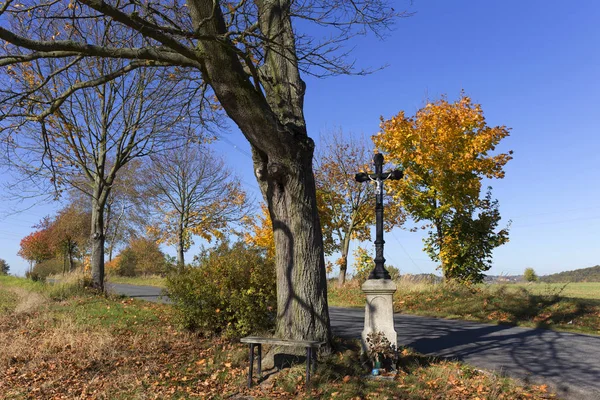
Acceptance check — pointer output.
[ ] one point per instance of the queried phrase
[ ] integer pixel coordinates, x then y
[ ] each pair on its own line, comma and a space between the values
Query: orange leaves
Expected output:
446, 151
261, 232
444, 146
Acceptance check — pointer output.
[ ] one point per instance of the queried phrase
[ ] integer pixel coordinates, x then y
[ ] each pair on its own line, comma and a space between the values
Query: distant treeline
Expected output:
591, 274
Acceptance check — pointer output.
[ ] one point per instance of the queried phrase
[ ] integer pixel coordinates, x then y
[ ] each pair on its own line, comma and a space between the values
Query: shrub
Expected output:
230, 291
364, 264
45, 268
72, 284
529, 275
141, 257
4, 267
125, 262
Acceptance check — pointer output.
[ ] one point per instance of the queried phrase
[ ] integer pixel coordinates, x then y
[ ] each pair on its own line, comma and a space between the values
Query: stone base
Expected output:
379, 310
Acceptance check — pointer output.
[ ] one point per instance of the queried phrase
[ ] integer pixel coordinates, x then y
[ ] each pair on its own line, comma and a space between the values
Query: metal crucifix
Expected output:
379, 272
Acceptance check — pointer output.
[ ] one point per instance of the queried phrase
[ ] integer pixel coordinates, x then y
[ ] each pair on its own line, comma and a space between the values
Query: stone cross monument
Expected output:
379, 288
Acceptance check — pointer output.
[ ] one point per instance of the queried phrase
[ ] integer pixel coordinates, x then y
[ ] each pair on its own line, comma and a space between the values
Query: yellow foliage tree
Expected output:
346, 207
445, 152
259, 232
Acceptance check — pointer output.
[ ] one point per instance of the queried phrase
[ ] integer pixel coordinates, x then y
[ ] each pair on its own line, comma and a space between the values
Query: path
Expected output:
568, 362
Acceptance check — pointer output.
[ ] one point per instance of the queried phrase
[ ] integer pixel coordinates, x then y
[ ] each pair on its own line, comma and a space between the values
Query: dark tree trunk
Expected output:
180, 252
65, 262
70, 251
97, 241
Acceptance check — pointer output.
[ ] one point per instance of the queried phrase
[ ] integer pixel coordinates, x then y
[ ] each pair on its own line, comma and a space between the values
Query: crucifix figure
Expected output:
379, 272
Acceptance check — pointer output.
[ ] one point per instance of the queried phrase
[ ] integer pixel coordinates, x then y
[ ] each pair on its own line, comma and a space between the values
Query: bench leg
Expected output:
314, 361
308, 363
251, 365
259, 367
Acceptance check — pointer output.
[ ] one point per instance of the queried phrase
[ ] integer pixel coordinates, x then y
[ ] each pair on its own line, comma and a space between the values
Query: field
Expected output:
575, 290
62, 341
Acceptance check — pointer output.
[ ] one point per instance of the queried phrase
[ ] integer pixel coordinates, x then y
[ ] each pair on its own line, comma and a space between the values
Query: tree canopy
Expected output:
446, 152
249, 57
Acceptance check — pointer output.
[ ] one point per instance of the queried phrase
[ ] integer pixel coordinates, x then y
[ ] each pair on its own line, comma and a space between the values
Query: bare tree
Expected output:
251, 56
122, 218
190, 192
346, 207
89, 132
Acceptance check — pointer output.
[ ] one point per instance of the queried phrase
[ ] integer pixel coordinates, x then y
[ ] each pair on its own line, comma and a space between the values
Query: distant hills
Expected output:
591, 274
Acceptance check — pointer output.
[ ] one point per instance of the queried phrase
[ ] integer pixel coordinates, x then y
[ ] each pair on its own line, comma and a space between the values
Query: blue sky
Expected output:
533, 65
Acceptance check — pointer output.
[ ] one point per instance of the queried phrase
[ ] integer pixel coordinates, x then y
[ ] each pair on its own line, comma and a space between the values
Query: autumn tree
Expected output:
123, 216
469, 240
445, 150
529, 275
4, 267
142, 256
346, 207
190, 192
250, 55
69, 232
36, 247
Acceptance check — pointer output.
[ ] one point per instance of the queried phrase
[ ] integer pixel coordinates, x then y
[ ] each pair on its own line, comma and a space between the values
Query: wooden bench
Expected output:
256, 341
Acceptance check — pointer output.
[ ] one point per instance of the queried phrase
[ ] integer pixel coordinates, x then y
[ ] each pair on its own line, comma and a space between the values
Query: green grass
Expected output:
17, 282
350, 295
575, 290
150, 280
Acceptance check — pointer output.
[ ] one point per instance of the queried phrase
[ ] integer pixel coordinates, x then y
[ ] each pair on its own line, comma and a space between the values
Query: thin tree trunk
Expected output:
180, 252
97, 241
344, 263
111, 247
65, 255
71, 265
440, 238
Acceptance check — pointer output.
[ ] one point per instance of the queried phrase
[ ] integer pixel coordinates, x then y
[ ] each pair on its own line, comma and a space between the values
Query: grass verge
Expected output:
539, 306
147, 280
86, 346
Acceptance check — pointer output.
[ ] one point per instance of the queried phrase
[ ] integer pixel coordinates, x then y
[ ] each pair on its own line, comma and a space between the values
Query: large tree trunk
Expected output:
302, 311
97, 242
273, 122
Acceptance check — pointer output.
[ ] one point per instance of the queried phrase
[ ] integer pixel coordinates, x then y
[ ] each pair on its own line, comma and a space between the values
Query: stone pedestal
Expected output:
379, 310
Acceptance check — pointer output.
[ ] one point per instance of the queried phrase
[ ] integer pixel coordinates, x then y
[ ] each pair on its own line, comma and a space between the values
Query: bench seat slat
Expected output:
281, 342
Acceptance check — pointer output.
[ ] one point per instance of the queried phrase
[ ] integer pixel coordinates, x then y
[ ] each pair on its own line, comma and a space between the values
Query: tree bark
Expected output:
97, 241
302, 311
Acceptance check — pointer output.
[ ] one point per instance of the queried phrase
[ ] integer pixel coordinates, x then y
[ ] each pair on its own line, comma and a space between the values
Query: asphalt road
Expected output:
148, 293
569, 363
